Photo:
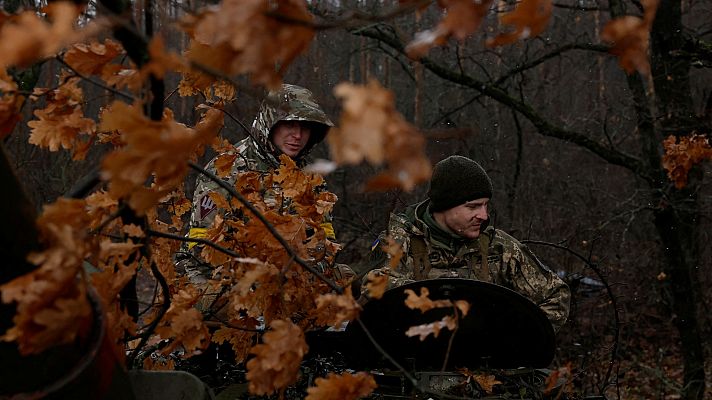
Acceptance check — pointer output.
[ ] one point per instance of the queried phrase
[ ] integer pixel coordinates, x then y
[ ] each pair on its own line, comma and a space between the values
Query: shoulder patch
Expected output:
207, 205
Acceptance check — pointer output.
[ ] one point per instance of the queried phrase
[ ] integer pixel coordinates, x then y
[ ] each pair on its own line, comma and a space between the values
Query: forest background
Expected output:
573, 142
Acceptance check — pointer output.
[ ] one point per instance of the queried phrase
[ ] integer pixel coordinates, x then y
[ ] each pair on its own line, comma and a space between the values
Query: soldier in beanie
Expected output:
448, 236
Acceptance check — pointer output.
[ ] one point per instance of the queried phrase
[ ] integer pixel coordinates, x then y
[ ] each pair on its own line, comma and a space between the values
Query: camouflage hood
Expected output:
290, 103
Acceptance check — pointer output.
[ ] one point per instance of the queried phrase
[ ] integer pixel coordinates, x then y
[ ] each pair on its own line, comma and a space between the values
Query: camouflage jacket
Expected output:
506, 262
254, 153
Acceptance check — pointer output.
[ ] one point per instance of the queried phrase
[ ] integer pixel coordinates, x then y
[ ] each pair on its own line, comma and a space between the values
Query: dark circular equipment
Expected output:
502, 329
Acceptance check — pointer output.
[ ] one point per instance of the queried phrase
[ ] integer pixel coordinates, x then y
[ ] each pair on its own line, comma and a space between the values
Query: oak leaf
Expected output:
10, 104
529, 19
276, 361
52, 307
335, 309
154, 149
683, 153
346, 386
240, 340
250, 37
434, 328
461, 18
422, 302
630, 38
377, 285
62, 123
372, 130
486, 382
26, 38
91, 58
557, 377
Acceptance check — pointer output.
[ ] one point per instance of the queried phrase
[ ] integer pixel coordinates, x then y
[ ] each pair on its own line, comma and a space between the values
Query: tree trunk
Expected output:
677, 215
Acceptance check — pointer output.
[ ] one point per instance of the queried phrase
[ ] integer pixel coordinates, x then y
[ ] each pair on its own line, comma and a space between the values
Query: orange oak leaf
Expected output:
62, 122
434, 328
159, 363
133, 231
346, 386
371, 129
52, 307
461, 18
630, 37
486, 382
377, 285
241, 341
463, 306
154, 149
682, 153
160, 60
333, 309
557, 377
276, 361
529, 19
10, 104
26, 37
91, 58
184, 324
251, 37
423, 302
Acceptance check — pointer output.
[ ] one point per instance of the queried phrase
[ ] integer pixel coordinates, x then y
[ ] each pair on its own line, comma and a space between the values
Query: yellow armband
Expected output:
196, 233
328, 230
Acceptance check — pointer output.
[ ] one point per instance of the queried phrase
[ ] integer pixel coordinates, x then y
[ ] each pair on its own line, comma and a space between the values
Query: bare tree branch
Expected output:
543, 126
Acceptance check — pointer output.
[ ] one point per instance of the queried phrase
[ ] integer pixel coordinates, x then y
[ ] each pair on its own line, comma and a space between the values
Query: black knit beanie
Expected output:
457, 180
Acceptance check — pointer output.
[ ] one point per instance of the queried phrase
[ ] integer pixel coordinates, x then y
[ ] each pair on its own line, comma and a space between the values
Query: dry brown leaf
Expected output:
461, 18
157, 149
557, 377
52, 308
529, 19
246, 37
682, 153
276, 362
10, 104
433, 328
423, 302
91, 58
486, 382
26, 38
240, 340
62, 123
630, 37
346, 386
377, 285
333, 309
372, 130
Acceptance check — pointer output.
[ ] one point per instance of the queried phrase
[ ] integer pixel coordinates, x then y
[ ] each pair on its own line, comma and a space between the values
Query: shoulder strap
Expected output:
419, 250
484, 240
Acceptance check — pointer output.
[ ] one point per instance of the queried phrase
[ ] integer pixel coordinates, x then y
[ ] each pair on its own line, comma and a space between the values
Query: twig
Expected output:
101, 85
609, 291
452, 338
192, 240
161, 312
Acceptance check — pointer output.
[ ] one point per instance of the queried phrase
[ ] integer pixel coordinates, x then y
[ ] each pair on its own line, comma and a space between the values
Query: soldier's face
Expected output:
466, 219
290, 137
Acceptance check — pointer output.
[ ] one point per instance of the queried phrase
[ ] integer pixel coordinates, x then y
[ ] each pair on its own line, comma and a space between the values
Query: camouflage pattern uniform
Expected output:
254, 153
493, 257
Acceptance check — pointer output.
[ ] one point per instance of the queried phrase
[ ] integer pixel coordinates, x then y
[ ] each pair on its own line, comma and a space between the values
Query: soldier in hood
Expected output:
289, 122
448, 235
